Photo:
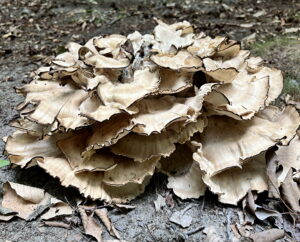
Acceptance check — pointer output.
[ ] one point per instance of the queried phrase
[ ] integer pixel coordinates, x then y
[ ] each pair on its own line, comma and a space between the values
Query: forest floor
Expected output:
31, 32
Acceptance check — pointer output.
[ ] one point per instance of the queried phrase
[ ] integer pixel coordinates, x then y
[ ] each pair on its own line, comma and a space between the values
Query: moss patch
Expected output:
291, 86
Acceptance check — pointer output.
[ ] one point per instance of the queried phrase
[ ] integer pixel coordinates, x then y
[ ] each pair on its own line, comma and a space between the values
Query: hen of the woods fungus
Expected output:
106, 115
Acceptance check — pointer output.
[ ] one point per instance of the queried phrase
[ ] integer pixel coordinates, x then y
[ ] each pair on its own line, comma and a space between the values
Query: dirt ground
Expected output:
33, 31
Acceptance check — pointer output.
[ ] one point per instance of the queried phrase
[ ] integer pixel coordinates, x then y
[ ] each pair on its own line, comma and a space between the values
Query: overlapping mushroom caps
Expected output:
107, 115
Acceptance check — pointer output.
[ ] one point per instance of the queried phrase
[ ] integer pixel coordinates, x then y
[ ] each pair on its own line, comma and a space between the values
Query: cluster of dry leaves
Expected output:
106, 115
28, 203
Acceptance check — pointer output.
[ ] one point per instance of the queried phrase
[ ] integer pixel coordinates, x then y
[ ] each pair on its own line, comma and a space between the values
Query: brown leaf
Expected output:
259, 212
289, 157
102, 214
89, 224
270, 235
181, 218
291, 192
273, 184
59, 209
123, 207
28, 202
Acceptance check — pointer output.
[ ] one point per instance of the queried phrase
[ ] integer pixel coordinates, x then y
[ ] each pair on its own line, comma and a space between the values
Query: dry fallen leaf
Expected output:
59, 209
124, 207
270, 235
102, 214
261, 213
91, 227
289, 157
29, 202
182, 218
291, 192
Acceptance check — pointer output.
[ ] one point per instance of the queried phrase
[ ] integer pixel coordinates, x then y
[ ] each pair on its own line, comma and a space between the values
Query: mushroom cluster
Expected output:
103, 117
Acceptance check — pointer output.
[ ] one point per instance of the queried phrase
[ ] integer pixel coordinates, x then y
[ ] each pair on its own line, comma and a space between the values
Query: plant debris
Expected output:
270, 235
29, 202
181, 218
57, 224
91, 227
252, 209
102, 214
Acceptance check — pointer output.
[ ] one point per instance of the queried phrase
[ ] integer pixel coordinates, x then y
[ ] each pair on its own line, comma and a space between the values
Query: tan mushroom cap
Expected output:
185, 176
55, 100
109, 132
142, 147
122, 95
110, 44
244, 97
93, 108
86, 79
233, 184
173, 81
90, 183
137, 41
22, 147
178, 163
155, 114
182, 60
128, 171
30, 127
73, 146
247, 94
287, 119
235, 62
177, 35
205, 46
222, 75
226, 142
111, 53
188, 185
228, 49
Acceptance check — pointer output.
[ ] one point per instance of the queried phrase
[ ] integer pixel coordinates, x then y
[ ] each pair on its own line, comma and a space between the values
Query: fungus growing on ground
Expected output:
105, 116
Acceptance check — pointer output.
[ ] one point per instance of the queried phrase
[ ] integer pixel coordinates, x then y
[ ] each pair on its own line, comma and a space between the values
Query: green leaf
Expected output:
4, 163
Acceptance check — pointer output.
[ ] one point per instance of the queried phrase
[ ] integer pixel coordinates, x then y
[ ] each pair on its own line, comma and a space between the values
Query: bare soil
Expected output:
33, 31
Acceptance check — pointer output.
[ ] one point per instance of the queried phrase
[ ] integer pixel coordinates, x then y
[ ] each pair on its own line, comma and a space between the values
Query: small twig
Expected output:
187, 208
57, 224
154, 239
193, 231
228, 223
